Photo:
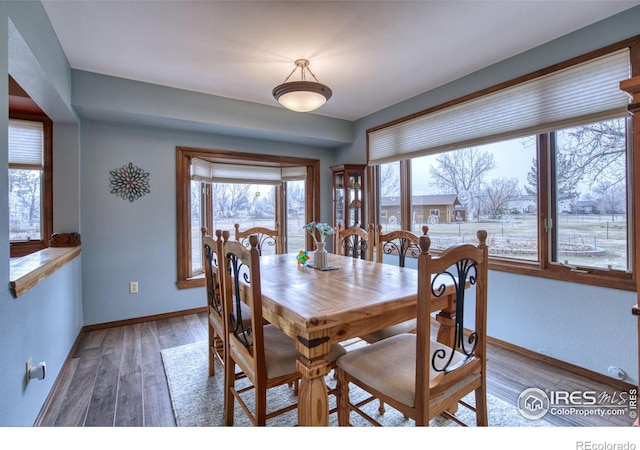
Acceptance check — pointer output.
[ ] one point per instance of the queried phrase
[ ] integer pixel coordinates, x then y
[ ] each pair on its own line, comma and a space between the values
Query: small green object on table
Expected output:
302, 258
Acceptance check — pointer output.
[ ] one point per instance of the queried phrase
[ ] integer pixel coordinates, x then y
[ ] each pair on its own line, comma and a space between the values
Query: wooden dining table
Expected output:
318, 308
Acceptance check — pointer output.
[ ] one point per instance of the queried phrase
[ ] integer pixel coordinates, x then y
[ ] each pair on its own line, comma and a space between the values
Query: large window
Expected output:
217, 189
589, 168
30, 216
454, 193
541, 163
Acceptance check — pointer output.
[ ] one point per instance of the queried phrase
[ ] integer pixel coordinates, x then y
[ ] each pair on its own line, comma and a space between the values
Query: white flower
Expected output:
324, 229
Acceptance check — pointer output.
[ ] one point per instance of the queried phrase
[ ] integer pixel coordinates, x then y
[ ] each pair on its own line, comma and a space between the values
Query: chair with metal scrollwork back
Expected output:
212, 263
413, 373
355, 242
397, 244
267, 238
265, 354
211, 257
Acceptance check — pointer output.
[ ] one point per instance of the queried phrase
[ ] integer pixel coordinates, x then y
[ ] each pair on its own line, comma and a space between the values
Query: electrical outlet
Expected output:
133, 287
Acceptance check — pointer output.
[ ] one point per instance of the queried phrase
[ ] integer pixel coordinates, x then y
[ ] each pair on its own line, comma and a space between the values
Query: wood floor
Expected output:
116, 378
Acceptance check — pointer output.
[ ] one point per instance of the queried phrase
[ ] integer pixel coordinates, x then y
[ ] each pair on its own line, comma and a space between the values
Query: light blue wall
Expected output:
66, 173
589, 326
44, 322
106, 98
125, 241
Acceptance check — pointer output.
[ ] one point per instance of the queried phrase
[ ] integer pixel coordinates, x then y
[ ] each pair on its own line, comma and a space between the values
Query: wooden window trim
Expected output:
183, 197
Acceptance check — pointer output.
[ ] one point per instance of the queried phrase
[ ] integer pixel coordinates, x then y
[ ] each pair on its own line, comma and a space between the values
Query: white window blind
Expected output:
294, 173
585, 92
203, 170
26, 144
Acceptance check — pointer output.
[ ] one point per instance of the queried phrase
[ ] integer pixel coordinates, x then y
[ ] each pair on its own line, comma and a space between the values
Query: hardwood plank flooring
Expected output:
116, 378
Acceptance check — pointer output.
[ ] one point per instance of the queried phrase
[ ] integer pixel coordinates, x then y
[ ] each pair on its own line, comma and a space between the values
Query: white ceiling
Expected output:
372, 54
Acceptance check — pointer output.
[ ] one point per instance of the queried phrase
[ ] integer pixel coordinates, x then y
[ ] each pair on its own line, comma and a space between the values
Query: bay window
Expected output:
217, 189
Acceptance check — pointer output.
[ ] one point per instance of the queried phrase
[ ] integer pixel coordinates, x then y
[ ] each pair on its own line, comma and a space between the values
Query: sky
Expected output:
512, 160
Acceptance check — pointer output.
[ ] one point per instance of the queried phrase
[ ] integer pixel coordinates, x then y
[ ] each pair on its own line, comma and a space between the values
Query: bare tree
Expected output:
498, 194
24, 198
462, 172
295, 193
611, 198
390, 180
592, 153
229, 199
587, 154
296, 201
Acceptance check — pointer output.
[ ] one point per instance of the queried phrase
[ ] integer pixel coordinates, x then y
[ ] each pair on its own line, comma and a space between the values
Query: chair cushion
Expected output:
281, 354
408, 326
389, 365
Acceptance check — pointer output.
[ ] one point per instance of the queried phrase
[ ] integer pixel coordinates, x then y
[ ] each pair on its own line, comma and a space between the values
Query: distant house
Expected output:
586, 207
565, 206
523, 204
445, 208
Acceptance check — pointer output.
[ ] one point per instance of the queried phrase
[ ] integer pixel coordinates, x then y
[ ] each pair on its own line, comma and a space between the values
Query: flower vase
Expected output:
320, 256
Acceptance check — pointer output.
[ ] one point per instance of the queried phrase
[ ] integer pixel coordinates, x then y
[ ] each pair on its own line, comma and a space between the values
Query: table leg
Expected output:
447, 320
313, 399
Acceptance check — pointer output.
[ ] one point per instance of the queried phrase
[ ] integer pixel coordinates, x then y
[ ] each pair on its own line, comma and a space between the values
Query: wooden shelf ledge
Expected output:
27, 271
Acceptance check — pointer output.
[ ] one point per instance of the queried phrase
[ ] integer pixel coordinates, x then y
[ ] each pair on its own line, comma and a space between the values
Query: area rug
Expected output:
197, 399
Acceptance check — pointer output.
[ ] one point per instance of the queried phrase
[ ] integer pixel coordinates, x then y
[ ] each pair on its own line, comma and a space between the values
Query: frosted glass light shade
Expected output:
302, 96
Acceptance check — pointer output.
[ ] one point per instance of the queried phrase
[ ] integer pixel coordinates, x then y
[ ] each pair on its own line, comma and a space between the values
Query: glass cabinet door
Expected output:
355, 200
348, 201
339, 199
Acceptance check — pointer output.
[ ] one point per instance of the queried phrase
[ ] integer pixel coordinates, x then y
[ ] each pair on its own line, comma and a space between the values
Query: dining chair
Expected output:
415, 374
264, 354
355, 242
397, 243
400, 244
267, 237
213, 268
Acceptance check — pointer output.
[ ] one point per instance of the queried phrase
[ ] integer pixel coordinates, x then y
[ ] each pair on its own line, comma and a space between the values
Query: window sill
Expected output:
614, 280
26, 248
27, 271
194, 282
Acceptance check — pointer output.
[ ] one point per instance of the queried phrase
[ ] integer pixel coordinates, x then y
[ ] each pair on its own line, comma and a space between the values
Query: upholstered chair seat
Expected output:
396, 377
281, 358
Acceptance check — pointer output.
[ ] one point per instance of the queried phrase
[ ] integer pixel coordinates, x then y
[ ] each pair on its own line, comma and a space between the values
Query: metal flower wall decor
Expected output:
129, 182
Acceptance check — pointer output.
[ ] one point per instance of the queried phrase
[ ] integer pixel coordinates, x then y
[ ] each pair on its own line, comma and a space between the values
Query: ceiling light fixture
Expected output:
302, 96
